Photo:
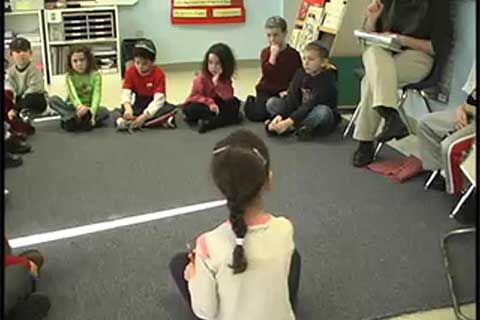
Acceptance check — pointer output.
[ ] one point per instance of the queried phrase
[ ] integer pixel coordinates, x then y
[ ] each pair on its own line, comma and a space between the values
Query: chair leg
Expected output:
462, 201
425, 99
443, 244
377, 149
351, 122
431, 178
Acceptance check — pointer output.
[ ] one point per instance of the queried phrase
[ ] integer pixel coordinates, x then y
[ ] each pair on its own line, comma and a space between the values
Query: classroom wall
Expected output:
463, 56
187, 43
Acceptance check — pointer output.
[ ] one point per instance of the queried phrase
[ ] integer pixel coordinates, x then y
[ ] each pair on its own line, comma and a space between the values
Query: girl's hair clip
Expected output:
220, 150
254, 150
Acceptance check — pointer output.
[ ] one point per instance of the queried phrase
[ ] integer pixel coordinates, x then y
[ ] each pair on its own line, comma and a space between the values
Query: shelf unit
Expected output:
95, 27
28, 24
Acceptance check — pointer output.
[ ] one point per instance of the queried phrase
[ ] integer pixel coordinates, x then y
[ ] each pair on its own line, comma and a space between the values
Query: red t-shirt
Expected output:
145, 86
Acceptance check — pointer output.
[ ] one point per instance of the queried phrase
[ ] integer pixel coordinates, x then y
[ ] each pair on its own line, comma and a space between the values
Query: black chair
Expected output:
430, 81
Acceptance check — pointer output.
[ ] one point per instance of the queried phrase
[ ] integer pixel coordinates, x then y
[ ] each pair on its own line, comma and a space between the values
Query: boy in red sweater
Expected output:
279, 63
144, 95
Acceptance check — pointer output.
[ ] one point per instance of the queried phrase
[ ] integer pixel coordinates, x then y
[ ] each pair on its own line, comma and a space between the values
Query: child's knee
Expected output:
273, 105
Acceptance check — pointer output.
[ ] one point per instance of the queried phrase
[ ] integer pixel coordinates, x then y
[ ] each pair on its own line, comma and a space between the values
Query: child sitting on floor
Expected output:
279, 62
247, 267
144, 93
211, 101
310, 106
81, 110
25, 81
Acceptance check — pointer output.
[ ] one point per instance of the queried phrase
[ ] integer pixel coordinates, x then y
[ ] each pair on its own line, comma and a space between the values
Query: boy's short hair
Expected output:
145, 49
20, 44
276, 22
319, 47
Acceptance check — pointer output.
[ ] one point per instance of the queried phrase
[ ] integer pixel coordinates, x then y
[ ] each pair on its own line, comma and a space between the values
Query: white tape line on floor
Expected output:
108, 225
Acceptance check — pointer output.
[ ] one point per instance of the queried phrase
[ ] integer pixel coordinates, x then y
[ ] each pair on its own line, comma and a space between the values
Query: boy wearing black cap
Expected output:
310, 106
146, 82
26, 83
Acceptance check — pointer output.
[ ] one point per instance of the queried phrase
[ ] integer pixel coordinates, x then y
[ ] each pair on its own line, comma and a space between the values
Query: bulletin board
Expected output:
207, 11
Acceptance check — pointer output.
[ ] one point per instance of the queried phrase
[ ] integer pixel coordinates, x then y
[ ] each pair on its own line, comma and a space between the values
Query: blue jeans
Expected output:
321, 118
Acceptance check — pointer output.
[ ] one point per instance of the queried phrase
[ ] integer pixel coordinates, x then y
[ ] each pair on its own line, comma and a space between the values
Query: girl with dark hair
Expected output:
246, 268
81, 110
211, 102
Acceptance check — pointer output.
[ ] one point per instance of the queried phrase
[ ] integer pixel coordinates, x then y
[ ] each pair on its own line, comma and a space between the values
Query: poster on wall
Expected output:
207, 11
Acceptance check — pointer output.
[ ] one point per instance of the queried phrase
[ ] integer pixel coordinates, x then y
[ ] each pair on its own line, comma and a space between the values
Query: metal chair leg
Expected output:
377, 149
351, 122
462, 201
425, 99
431, 178
443, 244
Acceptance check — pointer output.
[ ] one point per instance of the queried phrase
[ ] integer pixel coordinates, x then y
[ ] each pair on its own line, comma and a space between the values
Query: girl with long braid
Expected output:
246, 268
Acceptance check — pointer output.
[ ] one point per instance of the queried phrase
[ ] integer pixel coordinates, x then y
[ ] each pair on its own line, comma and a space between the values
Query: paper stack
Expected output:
333, 14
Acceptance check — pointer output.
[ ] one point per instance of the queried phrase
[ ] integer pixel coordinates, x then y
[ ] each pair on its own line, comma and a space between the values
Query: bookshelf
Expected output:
29, 25
95, 27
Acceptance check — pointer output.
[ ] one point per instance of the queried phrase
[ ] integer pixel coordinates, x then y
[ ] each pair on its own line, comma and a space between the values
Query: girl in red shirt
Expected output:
211, 103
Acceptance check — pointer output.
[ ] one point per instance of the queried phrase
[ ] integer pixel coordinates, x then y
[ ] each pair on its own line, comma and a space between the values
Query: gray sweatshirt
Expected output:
25, 81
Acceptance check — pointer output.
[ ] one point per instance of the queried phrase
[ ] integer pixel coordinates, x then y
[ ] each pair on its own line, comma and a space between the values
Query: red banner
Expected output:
207, 11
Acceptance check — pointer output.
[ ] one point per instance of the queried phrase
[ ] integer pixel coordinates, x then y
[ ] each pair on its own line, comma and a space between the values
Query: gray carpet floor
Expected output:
369, 247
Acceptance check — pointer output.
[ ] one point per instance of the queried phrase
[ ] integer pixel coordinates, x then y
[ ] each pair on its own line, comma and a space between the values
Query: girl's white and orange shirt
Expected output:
259, 293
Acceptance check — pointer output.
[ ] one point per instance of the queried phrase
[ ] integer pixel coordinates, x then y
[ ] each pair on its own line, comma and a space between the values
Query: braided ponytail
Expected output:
239, 227
240, 169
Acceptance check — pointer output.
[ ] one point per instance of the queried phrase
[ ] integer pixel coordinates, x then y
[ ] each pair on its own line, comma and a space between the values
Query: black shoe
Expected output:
15, 145
394, 127
86, 122
364, 154
204, 126
34, 307
12, 160
305, 133
69, 125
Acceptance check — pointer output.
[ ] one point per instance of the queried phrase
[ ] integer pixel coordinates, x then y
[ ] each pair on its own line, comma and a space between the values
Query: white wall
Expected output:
188, 43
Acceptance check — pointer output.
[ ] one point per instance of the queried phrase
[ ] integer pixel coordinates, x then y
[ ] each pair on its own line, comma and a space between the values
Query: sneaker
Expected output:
364, 154
15, 145
305, 133
171, 123
204, 126
12, 160
35, 256
68, 125
122, 124
34, 307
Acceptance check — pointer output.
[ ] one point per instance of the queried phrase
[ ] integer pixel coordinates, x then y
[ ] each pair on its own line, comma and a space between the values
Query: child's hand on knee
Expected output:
82, 110
214, 108
283, 94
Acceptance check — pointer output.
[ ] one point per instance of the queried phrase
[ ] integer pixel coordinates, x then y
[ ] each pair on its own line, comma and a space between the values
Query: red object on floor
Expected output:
398, 170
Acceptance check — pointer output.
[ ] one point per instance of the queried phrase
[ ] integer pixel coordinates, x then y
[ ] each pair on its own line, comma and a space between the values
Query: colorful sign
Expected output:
207, 11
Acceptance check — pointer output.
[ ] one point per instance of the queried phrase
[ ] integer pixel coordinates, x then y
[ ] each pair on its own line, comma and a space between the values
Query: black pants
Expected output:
256, 110
180, 262
229, 112
35, 102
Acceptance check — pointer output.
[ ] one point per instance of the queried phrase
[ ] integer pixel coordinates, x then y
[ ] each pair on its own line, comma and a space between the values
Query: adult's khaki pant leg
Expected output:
385, 73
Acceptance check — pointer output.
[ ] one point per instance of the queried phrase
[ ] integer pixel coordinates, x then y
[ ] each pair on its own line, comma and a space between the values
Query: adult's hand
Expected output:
374, 10
461, 117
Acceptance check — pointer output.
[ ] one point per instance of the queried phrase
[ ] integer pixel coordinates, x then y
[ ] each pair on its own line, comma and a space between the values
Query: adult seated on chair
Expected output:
437, 134
424, 29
